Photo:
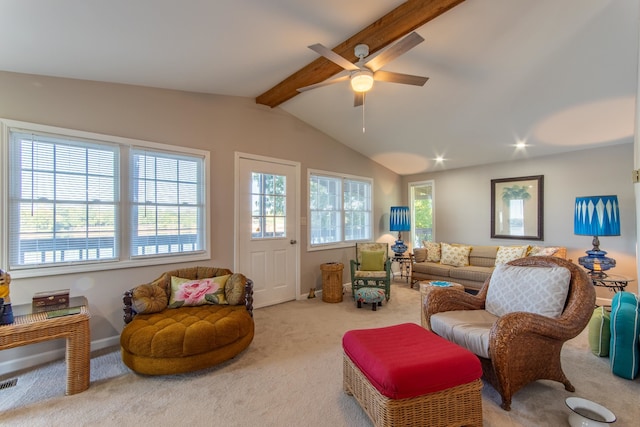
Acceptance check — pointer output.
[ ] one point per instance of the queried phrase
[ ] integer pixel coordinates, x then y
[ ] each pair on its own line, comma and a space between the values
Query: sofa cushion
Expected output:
471, 272
372, 260
483, 256
467, 328
599, 332
510, 253
419, 254
149, 298
179, 333
432, 268
434, 251
539, 290
193, 293
455, 255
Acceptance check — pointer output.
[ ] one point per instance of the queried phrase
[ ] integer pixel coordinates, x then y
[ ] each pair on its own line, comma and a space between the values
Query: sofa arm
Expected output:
447, 299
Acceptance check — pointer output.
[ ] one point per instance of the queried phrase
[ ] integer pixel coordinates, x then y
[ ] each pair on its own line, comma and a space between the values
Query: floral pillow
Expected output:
192, 293
509, 253
433, 251
457, 256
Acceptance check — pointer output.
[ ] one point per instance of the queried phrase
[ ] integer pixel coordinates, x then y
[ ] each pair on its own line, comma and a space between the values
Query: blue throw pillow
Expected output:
625, 327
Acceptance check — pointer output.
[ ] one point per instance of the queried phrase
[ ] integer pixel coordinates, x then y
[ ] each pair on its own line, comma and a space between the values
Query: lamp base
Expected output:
399, 248
597, 263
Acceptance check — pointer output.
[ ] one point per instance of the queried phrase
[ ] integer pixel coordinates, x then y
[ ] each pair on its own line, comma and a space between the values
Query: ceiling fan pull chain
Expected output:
364, 95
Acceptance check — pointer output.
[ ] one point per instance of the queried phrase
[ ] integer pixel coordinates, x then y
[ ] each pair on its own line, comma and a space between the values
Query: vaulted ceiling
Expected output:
555, 75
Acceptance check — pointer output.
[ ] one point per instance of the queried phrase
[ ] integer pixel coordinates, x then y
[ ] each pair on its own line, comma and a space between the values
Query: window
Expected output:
422, 209
339, 210
72, 206
269, 206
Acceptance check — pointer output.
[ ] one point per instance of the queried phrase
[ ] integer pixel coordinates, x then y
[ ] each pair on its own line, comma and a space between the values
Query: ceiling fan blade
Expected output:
407, 79
378, 60
333, 57
358, 98
325, 83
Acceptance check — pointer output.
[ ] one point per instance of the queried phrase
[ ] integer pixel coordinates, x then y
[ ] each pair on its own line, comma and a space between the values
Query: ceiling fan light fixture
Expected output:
362, 80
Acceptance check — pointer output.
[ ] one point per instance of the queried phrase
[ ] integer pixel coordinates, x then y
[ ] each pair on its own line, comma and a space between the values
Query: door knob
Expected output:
293, 242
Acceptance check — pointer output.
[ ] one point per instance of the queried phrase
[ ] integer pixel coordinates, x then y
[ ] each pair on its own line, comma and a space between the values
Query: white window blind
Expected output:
339, 209
64, 201
167, 203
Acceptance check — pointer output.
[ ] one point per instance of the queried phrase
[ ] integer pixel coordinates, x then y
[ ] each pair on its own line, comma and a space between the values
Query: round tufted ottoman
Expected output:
186, 339
373, 296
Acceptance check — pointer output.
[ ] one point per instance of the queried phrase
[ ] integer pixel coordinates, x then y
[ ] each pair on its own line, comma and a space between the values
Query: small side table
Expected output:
613, 282
404, 261
31, 327
425, 288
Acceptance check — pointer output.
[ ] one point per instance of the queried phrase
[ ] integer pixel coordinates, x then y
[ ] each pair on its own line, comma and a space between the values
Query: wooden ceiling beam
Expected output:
391, 27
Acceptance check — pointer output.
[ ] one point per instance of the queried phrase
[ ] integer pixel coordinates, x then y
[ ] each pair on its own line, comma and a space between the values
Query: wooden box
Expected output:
51, 299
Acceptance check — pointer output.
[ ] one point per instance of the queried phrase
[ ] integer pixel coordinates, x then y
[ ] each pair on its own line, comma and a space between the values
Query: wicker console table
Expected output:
31, 328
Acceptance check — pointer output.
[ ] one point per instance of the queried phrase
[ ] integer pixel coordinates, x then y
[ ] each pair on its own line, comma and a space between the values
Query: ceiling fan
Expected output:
368, 68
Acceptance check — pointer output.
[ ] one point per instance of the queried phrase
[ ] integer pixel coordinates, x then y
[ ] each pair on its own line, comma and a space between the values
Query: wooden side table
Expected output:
32, 327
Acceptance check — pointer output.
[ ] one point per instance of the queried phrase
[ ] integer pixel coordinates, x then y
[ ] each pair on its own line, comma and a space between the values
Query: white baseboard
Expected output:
33, 360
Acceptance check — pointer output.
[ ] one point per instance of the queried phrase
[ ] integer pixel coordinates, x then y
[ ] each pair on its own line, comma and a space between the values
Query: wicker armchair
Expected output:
362, 275
523, 347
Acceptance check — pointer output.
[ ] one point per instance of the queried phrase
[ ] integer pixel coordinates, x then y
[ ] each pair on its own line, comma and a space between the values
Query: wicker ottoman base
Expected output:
456, 406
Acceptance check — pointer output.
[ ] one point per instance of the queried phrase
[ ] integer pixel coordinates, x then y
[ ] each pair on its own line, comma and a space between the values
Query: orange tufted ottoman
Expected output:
404, 375
191, 338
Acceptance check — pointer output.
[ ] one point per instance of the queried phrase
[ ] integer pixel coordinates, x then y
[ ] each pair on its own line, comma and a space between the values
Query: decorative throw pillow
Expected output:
149, 299
433, 251
543, 251
539, 290
457, 256
600, 332
509, 253
192, 293
372, 260
234, 289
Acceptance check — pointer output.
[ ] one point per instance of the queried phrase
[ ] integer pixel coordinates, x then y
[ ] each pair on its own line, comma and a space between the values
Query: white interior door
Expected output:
267, 227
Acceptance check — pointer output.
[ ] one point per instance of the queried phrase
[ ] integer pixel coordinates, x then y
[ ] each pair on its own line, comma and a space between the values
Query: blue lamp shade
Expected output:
596, 216
400, 220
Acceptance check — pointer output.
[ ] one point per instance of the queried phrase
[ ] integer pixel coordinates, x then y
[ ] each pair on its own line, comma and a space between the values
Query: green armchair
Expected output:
371, 268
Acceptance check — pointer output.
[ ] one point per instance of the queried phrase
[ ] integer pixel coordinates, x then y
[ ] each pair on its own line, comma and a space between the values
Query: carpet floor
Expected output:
291, 375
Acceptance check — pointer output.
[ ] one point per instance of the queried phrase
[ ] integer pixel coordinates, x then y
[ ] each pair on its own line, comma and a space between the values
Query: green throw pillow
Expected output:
600, 332
372, 260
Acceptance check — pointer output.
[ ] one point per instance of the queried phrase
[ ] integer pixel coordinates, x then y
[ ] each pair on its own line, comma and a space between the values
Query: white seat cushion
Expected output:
467, 328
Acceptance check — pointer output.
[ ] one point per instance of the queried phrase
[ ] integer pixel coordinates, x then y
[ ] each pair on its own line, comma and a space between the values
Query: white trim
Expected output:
342, 244
433, 211
236, 205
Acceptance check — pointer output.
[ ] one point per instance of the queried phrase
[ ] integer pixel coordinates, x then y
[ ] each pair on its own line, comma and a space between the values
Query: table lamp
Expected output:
399, 221
597, 216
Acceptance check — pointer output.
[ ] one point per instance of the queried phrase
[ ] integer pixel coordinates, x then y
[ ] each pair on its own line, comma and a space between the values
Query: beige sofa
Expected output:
479, 265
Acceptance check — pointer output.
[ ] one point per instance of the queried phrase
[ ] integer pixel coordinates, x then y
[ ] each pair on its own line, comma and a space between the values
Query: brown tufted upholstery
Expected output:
176, 340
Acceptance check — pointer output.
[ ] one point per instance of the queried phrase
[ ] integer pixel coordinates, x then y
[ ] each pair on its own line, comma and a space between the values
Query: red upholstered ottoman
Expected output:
405, 375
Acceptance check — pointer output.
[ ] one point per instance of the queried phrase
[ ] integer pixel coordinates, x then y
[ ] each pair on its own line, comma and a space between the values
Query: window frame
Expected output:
125, 147
411, 197
342, 243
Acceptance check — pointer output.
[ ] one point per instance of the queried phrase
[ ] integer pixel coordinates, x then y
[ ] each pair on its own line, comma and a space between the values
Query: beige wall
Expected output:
463, 210
220, 124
